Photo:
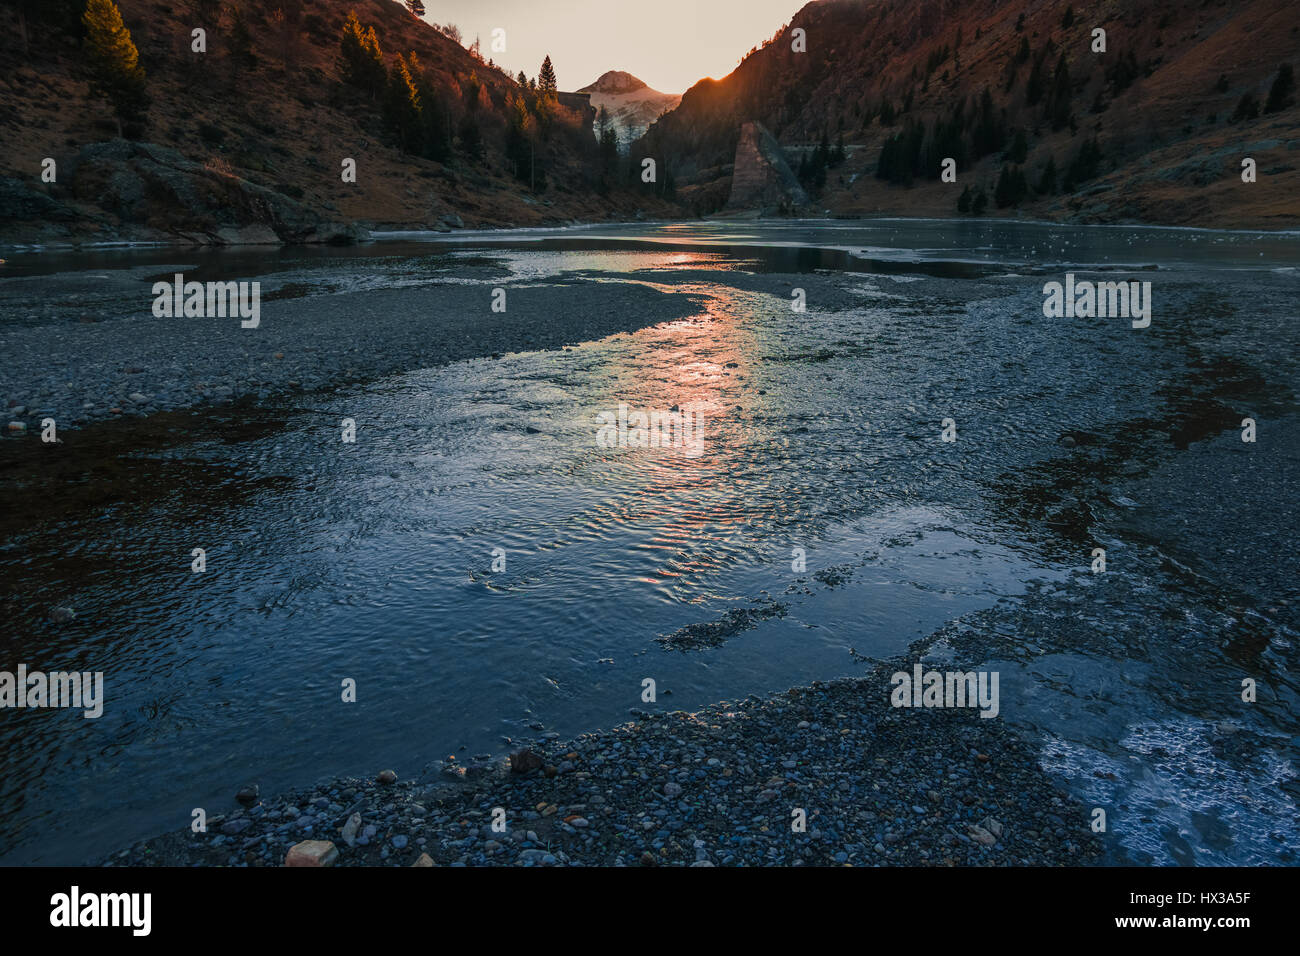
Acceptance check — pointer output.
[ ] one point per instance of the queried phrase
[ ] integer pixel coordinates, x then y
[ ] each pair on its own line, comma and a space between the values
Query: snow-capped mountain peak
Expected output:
632, 106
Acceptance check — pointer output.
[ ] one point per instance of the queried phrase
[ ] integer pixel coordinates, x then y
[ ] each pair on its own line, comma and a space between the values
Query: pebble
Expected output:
621, 804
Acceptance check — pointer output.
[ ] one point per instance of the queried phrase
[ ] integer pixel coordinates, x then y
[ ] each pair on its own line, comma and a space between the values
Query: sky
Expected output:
670, 44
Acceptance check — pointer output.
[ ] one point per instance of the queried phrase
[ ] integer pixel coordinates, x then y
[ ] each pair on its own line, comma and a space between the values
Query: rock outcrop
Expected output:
144, 191
762, 179
581, 104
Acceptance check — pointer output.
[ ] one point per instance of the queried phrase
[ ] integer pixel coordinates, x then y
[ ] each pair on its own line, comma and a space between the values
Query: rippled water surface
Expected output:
375, 560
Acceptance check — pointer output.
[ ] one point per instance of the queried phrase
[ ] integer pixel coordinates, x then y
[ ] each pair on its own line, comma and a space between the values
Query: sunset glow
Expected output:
705, 39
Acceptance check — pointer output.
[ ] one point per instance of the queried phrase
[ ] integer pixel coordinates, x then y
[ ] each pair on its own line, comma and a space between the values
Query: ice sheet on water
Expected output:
1214, 804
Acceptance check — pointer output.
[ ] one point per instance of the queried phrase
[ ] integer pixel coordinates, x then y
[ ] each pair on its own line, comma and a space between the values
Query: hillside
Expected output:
1153, 129
245, 141
631, 105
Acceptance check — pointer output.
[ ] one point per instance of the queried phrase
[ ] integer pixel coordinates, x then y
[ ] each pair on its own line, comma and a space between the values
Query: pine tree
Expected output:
114, 61
946, 141
435, 120
1047, 181
838, 154
402, 108
519, 148
546, 82
609, 146
361, 62
1279, 95
1247, 109
989, 132
901, 157
1037, 81
1002, 192
471, 137
376, 74
350, 50
1123, 72
1084, 166
1058, 103
608, 149
1019, 148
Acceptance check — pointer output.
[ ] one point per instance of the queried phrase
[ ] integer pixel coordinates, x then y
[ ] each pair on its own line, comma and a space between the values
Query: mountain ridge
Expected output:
267, 106
1153, 129
615, 81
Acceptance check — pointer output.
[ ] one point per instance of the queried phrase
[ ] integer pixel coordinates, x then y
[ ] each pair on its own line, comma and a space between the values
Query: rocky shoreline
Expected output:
877, 785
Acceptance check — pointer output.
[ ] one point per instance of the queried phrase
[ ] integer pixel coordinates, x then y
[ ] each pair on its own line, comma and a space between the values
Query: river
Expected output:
481, 566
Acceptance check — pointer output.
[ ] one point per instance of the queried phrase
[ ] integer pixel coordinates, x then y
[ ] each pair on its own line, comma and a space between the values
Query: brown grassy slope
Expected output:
1170, 154
287, 125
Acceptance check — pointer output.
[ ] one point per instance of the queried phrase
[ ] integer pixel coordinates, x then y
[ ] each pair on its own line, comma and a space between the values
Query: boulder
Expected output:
525, 761
312, 853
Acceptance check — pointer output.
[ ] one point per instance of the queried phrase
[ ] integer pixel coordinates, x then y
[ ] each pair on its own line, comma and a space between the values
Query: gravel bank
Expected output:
878, 785
118, 360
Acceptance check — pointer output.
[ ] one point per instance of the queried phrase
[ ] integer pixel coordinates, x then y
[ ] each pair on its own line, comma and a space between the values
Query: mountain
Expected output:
245, 140
632, 105
1039, 120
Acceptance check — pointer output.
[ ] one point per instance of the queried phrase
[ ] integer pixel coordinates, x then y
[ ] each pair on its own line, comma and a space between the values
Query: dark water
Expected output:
374, 561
